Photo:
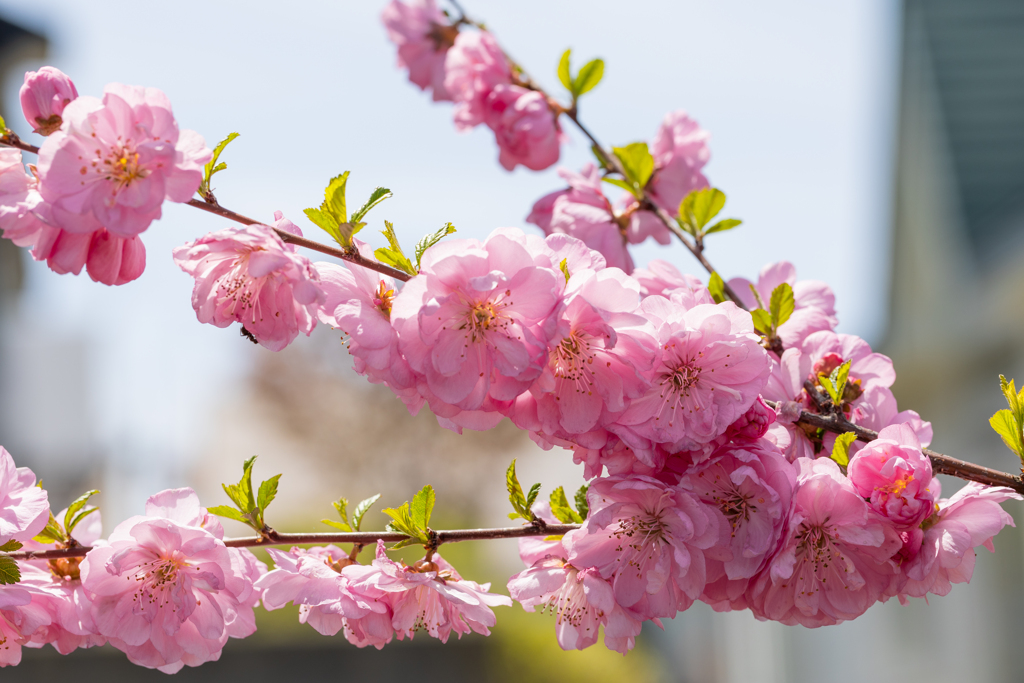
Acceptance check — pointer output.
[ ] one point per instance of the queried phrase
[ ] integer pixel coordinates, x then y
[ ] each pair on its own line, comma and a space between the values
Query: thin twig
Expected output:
358, 537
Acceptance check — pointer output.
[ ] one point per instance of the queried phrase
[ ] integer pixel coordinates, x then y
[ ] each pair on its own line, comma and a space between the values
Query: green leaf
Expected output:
841, 449
334, 198
405, 542
341, 505
564, 76
340, 526
267, 493
362, 509
394, 256
762, 321
637, 162
1006, 426
422, 506
835, 383
705, 204
582, 507
717, 288
515, 492
51, 533
241, 493
723, 225
212, 166
531, 497
564, 267
9, 572
376, 197
782, 305
3, 125
80, 516
1013, 399
10, 546
430, 240
588, 77
73, 509
230, 513
560, 508
618, 182
322, 220
402, 522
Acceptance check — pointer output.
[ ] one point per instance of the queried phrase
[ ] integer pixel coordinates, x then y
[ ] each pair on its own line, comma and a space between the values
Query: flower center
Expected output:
572, 361
122, 167
241, 289
383, 297
677, 379
816, 544
486, 316
155, 578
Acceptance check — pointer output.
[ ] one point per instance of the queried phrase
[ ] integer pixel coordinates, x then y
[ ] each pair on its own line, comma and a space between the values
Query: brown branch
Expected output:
273, 538
942, 464
11, 139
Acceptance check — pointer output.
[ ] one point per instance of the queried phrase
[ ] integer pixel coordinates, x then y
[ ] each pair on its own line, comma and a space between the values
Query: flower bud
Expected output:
43, 97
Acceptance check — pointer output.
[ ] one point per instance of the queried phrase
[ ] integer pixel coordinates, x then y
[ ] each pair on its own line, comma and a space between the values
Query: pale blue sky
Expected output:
799, 98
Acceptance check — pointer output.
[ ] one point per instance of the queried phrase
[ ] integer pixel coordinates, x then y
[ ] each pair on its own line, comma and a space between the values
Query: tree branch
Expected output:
273, 538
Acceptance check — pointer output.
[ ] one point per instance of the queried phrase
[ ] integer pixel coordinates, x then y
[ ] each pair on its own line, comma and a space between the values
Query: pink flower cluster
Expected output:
103, 173
470, 69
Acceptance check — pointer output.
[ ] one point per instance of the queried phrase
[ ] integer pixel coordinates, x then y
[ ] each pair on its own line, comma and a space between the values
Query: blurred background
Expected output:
876, 144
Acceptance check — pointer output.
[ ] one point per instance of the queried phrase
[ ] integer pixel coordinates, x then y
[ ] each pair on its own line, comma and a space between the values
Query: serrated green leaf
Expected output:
1006, 426
219, 167
267, 492
762, 321
340, 526
723, 225
376, 197
841, 449
334, 198
564, 267
51, 533
235, 494
394, 256
839, 377
637, 162
75, 506
11, 546
422, 506
341, 505
230, 513
717, 288
403, 543
531, 497
781, 305
515, 492
582, 506
212, 167
1013, 399
402, 522
9, 572
618, 182
245, 484
80, 516
430, 240
322, 220
554, 537
362, 509
588, 77
560, 508
564, 76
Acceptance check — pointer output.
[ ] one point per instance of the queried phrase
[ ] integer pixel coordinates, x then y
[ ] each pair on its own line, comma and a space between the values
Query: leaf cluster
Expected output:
563, 512
249, 506
393, 255
835, 383
697, 210
780, 309
332, 215
1009, 422
637, 164
413, 518
522, 505
61, 532
583, 82
212, 166
341, 505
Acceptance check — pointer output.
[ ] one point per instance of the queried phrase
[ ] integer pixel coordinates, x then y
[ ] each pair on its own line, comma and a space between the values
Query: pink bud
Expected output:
43, 97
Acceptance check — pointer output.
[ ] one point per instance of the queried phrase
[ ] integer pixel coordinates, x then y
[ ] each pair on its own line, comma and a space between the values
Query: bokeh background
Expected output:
876, 144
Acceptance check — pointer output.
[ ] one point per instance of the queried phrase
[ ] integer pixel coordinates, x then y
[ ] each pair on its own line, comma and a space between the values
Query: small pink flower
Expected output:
664, 279
834, 562
968, 520
23, 613
648, 540
708, 373
581, 602
315, 580
423, 35
814, 301
24, 508
471, 323
524, 126
584, 212
431, 596
896, 477
680, 151
44, 95
474, 67
114, 163
166, 590
109, 259
249, 275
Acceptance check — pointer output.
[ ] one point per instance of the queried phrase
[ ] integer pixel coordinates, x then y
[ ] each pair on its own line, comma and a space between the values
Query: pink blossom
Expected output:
664, 279
471, 323
18, 200
250, 275
581, 602
648, 540
429, 596
166, 590
708, 372
524, 126
315, 579
43, 96
896, 477
751, 485
535, 548
423, 35
814, 309
24, 508
834, 562
358, 302
113, 163
584, 212
23, 613
474, 67
968, 520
